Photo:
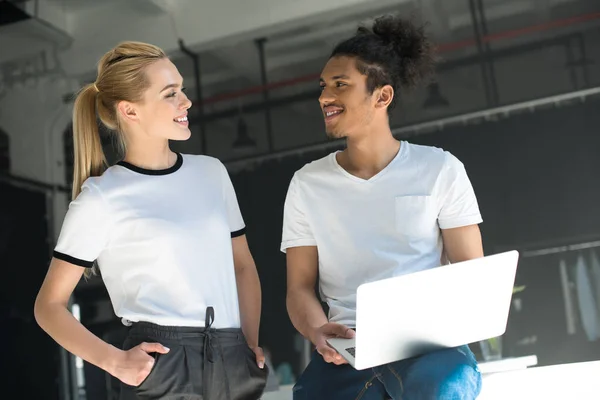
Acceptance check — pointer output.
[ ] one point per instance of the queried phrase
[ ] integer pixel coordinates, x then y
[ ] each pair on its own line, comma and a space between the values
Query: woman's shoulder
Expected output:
204, 164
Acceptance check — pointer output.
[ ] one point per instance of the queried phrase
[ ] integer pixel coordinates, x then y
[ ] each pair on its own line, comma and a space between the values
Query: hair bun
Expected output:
410, 43
406, 39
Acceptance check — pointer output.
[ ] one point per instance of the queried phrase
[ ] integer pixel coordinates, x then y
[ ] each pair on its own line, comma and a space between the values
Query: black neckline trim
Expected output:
145, 171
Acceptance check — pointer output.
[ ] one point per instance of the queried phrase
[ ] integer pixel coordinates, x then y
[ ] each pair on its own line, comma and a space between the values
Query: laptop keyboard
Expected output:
352, 351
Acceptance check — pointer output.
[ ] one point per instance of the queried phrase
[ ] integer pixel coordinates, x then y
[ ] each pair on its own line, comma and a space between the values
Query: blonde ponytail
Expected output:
89, 157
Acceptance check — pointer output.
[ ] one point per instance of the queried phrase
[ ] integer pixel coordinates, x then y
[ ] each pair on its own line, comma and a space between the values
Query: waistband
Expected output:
181, 332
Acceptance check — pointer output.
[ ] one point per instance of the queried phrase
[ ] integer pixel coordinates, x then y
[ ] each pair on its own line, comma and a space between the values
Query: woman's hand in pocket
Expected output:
260, 356
133, 366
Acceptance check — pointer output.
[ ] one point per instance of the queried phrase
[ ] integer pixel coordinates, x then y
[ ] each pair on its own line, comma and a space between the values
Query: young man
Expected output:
380, 208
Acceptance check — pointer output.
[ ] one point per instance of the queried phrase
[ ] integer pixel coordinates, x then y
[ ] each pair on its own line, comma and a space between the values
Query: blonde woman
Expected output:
166, 232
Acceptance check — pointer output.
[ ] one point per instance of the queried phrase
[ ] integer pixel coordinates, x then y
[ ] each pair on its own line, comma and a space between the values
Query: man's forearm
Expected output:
249, 293
305, 311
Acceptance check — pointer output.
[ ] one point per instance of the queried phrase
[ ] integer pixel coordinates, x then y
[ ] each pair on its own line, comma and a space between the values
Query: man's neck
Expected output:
367, 155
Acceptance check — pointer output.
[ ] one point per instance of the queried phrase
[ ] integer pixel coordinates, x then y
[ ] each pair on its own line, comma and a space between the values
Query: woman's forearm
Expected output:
64, 328
249, 293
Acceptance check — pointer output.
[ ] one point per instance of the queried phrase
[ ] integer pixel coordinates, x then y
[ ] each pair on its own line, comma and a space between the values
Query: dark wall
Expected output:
535, 174
30, 359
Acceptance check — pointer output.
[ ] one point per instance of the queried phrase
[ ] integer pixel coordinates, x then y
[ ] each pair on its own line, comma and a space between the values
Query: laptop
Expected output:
413, 314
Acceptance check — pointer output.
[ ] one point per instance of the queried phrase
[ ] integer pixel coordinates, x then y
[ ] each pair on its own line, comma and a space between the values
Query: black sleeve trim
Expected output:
73, 260
238, 233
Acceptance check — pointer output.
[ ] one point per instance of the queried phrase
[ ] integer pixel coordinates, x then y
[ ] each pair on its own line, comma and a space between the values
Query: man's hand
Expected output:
328, 331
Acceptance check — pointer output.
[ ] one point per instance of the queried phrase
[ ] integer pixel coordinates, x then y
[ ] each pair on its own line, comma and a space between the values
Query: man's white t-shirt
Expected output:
388, 225
161, 239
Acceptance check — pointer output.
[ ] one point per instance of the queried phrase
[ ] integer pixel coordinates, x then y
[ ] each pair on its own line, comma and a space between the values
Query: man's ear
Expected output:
385, 96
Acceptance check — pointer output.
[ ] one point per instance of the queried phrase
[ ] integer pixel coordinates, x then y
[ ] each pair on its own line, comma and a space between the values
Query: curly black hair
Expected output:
393, 52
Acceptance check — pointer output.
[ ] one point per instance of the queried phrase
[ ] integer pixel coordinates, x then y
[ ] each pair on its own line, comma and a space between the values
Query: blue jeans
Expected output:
449, 374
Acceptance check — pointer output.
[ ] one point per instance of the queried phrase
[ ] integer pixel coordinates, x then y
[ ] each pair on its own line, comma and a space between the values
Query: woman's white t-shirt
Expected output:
161, 239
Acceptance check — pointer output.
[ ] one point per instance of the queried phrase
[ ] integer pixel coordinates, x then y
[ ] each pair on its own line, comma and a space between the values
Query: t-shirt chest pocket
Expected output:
415, 215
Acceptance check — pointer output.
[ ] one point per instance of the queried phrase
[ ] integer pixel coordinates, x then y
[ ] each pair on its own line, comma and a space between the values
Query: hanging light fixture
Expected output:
243, 141
435, 99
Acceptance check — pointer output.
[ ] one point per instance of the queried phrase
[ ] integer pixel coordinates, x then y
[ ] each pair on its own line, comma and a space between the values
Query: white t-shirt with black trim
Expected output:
161, 239
388, 225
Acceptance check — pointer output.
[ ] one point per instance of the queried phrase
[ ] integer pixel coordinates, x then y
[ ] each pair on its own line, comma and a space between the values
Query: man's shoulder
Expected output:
426, 152
430, 159
315, 169
423, 165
